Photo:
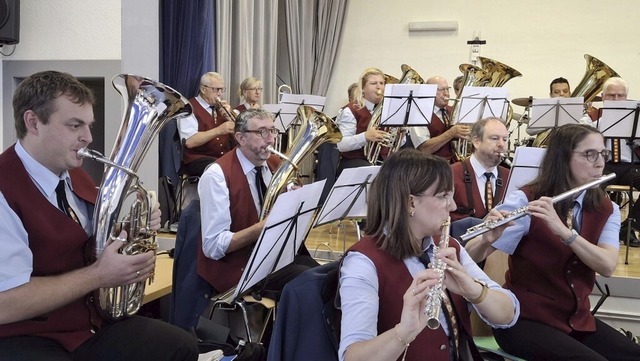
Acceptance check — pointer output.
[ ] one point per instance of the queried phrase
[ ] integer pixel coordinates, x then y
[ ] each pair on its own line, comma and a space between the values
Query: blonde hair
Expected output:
246, 84
364, 77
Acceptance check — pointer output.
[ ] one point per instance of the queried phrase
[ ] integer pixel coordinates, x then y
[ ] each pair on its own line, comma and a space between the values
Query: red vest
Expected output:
436, 128
393, 281
551, 282
58, 244
460, 194
216, 147
363, 117
241, 108
225, 273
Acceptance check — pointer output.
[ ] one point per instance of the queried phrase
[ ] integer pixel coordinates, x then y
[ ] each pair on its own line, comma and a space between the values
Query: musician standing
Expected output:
383, 281
555, 254
206, 134
231, 194
250, 93
479, 181
353, 120
436, 137
46, 204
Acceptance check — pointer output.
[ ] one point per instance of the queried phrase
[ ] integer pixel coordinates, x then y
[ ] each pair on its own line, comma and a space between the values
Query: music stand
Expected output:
283, 114
554, 112
285, 229
315, 101
348, 197
481, 102
408, 105
619, 119
525, 167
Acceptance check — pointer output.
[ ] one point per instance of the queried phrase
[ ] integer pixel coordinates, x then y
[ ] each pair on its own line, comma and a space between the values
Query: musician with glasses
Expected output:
436, 137
231, 193
383, 281
250, 93
207, 133
354, 118
48, 311
555, 253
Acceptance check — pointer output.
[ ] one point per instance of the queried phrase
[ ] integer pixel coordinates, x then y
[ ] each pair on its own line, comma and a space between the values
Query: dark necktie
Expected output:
214, 114
260, 185
447, 307
615, 144
63, 203
488, 192
445, 117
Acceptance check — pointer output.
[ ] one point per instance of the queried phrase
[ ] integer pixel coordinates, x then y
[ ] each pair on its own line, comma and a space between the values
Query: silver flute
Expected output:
488, 225
436, 293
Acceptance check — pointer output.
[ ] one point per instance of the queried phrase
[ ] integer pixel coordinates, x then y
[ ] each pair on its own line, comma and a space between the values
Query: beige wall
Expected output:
542, 39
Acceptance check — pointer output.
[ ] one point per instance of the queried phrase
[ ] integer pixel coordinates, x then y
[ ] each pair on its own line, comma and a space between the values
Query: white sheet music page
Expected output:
482, 102
397, 100
551, 112
315, 101
524, 168
283, 114
617, 119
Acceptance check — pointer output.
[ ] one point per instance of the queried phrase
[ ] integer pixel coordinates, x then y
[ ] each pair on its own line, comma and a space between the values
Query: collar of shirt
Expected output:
479, 169
247, 166
369, 105
204, 104
43, 178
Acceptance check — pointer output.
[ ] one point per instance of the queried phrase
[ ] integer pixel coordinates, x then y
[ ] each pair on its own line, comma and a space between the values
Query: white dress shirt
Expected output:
481, 180
420, 135
348, 127
188, 126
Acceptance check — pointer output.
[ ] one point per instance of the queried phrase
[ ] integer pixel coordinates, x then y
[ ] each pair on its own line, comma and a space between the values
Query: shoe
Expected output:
634, 242
634, 224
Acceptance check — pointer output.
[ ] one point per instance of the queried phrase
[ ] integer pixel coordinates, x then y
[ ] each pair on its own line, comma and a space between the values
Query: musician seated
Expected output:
479, 181
384, 286
354, 118
250, 93
232, 192
555, 254
206, 134
559, 88
46, 206
436, 137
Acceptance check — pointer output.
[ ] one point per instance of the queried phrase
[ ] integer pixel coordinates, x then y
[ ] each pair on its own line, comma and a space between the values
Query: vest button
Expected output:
443, 347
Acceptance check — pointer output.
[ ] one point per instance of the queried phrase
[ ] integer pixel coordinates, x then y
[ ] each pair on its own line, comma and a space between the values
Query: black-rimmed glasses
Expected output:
592, 155
215, 90
264, 132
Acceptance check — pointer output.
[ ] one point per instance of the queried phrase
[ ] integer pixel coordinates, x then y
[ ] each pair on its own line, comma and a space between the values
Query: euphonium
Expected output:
591, 84
492, 73
149, 106
315, 129
396, 134
436, 293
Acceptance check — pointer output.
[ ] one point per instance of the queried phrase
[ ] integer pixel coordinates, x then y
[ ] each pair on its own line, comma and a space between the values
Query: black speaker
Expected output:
9, 21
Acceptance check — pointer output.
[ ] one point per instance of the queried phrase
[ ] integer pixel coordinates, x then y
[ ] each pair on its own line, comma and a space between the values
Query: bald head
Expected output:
442, 95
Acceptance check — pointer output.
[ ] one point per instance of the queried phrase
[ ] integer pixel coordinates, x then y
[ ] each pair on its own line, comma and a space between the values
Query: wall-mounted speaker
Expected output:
9, 21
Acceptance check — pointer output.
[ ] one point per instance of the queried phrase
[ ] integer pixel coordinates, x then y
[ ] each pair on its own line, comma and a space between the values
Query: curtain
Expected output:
186, 52
246, 36
314, 30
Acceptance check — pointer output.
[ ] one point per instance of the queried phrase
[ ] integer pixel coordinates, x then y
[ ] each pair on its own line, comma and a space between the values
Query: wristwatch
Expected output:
483, 294
568, 241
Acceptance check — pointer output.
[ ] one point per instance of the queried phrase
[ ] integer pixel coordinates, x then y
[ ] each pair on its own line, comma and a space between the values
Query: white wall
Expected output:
543, 40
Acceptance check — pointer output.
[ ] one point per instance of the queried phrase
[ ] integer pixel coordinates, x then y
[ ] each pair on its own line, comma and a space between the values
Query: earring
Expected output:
411, 214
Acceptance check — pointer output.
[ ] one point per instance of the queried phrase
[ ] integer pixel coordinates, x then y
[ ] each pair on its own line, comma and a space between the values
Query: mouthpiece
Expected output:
282, 156
98, 157
379, 92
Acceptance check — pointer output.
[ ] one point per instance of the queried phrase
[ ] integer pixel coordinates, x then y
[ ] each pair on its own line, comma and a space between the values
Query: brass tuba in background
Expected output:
148, 107
315, 129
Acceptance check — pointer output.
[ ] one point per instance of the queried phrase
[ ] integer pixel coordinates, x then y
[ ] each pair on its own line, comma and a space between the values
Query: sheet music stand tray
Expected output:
554, 112
348, 197
481, 102
408, 105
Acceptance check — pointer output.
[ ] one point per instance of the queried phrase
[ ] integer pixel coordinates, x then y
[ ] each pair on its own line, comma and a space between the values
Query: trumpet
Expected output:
231, 114
435, 296
488, 225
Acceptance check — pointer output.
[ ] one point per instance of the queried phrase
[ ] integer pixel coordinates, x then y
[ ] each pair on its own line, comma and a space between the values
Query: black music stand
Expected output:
283, 114
481, 102
287, 225
315, 101
408, 105
619, 119
348, 196
525, 167
554, 112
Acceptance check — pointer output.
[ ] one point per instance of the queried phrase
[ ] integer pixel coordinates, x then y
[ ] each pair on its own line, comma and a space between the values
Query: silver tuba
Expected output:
149, 106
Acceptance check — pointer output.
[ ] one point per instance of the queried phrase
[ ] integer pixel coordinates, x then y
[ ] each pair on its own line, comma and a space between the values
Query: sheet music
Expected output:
482, 102
283, 114
554, 112
284, 232
315, 101
619, 119
524, 168
396, 102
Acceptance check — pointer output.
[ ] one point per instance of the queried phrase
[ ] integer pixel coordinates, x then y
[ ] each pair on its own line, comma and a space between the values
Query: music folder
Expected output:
285, 229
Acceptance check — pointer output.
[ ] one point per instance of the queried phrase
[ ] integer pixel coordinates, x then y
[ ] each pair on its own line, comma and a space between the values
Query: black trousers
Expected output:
351, 163
626, 174
535, 341
133, 339
198, 166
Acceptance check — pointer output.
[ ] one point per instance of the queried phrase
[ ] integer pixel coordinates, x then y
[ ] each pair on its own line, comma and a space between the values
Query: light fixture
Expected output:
433, 26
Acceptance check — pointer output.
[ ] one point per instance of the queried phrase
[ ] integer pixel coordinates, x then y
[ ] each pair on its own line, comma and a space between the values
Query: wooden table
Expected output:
163, 280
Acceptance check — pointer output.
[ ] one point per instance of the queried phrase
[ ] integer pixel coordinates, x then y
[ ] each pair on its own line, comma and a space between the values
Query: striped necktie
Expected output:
63, 203
488, 192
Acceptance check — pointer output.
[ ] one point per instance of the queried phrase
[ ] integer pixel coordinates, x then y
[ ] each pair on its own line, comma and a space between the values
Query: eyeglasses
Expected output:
264, 132
447, 197
215, 90
254, 89
592, 155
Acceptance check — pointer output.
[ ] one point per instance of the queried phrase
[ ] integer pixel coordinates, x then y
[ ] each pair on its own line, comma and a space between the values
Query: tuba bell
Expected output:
491, 73
315, 129
149, 106
591, 84
372, 150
